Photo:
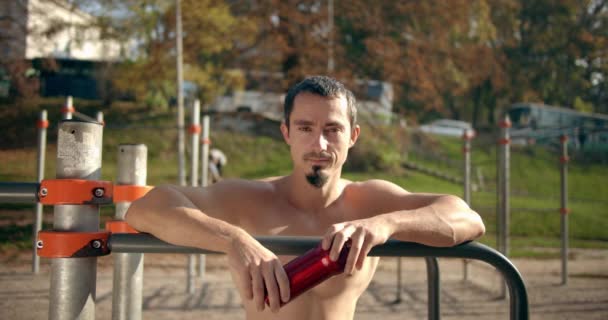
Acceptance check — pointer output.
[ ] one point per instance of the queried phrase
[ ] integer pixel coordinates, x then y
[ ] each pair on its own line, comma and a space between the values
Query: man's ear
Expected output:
285, 132
354, 135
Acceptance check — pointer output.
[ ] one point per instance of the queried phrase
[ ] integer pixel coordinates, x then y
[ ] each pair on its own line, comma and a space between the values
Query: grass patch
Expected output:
535, 220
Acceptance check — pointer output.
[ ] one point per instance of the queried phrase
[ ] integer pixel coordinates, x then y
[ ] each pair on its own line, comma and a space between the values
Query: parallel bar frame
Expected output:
298, 245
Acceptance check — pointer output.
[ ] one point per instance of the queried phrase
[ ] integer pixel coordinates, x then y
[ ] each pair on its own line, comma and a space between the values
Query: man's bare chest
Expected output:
280, 220
284, 220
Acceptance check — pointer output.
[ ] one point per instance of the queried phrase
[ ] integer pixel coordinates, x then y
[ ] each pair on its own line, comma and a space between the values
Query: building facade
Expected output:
32, 29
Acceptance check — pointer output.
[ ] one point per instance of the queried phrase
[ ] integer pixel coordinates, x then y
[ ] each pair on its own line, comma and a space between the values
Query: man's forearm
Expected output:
447, 222
170, 216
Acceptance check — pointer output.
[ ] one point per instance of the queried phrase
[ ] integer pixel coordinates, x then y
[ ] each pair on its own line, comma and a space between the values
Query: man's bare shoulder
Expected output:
372, 197
245, 186
372, 187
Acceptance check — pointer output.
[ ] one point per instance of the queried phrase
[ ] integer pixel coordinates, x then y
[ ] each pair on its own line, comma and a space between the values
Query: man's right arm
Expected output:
170, 213
208, 218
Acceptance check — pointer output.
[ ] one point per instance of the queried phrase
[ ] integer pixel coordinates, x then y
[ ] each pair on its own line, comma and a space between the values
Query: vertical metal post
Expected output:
205, 152
181, 150
73, 280
498, 193
503, 191
564, 207
195, 131
99, 117
467, 136
433, 287
204, 180
68, 109
330, 36
129, 267
399, 289
42, 125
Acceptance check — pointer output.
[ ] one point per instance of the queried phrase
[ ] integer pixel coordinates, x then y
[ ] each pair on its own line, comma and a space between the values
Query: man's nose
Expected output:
320, 142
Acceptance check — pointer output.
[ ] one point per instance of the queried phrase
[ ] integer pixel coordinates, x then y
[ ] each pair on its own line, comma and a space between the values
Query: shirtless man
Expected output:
319, 127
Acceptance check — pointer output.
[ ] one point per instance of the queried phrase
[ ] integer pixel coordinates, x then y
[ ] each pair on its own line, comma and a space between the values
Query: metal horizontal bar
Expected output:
146, 243
19, 192
83, 116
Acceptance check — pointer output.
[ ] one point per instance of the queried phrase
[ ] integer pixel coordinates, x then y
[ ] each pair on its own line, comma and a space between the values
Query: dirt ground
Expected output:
25, 296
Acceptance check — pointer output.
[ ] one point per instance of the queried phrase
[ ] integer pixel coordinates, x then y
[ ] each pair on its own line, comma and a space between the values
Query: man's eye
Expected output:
333, 129
304, 129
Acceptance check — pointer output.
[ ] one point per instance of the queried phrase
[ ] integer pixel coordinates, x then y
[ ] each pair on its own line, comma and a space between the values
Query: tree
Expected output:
561, 54
210, 33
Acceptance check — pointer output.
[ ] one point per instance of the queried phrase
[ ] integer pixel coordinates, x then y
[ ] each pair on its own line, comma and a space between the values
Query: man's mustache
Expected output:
318, 156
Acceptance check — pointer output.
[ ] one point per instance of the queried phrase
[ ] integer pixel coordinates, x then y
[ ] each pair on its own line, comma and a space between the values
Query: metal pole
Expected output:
564, 207
196, 113
330, 47
73, 280
68, 108
433, 287
42, 125
205, 152
99, 117
467, 135
19, 192
181, 150
196, 134
298, 245
504, 145
498, 193
398, 298
129, 267
204, 180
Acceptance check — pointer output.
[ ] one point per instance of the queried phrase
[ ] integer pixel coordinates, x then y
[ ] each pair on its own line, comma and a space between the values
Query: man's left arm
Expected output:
391, 212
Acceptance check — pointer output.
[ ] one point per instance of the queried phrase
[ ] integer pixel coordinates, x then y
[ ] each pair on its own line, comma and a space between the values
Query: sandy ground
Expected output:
25, 296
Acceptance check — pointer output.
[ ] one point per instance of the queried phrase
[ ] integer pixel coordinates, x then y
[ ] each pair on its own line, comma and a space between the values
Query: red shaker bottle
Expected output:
312, 268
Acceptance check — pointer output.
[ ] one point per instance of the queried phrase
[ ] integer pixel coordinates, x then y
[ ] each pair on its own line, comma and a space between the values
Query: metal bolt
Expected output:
44, 192
39, 244
96, 244
98, 192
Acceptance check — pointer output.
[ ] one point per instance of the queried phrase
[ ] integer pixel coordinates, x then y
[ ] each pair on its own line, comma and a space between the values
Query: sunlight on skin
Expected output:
278, 230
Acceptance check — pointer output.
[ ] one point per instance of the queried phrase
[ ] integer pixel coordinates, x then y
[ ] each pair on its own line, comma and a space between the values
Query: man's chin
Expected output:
317, 178
318, 168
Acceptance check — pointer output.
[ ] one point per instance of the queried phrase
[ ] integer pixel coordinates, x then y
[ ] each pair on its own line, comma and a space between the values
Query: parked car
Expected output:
447, 127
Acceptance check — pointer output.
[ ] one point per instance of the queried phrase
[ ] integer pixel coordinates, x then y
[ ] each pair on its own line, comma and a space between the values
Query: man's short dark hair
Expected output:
325, 87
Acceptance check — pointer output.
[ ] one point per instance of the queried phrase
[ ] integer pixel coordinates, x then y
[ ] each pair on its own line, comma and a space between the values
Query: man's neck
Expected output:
303, 195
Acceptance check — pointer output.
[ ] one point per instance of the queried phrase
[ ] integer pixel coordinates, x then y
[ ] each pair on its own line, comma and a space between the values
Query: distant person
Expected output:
217, 161
582, 137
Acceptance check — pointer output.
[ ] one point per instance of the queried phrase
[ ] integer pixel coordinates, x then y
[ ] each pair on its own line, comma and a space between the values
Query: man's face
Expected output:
319, 136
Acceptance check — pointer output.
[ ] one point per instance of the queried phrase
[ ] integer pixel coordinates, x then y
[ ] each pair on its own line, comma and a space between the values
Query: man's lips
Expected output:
320, 160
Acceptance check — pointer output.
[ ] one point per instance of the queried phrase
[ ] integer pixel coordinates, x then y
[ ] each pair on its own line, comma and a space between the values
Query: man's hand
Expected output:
258, 268
364, 235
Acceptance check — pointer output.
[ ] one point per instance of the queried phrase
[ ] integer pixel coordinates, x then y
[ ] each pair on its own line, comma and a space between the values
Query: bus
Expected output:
543, 124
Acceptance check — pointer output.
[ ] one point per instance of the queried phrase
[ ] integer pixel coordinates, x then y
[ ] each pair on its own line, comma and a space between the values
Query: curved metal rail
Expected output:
145, 243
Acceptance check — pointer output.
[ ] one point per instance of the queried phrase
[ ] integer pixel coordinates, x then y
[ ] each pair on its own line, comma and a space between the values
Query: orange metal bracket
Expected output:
505, 123
504, 141
129, 193
60, 244
66, 109
75, 191
42, 124
119, 226
194, 129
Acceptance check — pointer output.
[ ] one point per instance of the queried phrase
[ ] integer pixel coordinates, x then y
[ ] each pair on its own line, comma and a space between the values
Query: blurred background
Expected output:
422, 72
